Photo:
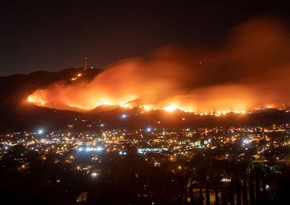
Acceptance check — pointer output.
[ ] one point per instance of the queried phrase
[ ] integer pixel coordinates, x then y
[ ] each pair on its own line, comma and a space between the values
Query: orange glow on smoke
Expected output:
41, 99
36, 100
251, 70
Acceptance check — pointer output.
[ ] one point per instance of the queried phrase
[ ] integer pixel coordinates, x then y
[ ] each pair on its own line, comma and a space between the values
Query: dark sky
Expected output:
56, 34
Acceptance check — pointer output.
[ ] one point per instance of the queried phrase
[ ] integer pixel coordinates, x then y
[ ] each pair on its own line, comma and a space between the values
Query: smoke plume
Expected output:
251, 69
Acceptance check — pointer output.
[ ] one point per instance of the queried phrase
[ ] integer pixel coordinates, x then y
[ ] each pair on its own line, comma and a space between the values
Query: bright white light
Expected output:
40, 131
124, 116
148, 129
90, 149
94, 174
99, 148
226, 180
246, 141
122, 153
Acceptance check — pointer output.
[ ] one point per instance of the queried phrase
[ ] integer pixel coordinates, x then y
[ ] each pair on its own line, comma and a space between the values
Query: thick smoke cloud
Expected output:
251, 69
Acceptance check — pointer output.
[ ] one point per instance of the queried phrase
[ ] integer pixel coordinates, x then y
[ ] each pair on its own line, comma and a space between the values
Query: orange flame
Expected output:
251, 70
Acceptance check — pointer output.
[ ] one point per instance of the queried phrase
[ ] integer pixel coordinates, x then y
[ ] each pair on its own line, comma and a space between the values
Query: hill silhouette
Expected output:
18, 115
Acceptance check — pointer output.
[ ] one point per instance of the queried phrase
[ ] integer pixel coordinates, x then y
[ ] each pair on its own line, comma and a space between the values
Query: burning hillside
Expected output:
250, 70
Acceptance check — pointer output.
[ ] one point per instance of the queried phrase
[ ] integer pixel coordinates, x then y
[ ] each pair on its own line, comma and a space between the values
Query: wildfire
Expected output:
36, 100
147, 107
250, 70
171, 108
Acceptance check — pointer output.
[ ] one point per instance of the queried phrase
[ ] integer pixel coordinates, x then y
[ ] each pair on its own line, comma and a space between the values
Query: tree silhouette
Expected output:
224, 198
200, 196
216, 195
251, 186
239, 193
258, 191
207, 202
245, 193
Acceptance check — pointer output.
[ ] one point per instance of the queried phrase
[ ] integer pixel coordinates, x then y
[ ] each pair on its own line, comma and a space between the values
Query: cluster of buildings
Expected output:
260, 144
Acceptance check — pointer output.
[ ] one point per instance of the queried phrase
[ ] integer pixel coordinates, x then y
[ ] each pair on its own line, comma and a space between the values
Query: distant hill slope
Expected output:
17, 115
15, 89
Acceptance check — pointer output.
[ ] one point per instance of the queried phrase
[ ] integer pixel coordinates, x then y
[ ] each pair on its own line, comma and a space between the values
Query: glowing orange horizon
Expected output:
171, 108
250, 70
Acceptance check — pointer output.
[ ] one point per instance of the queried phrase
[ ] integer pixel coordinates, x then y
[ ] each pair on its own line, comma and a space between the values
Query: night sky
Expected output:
53, 35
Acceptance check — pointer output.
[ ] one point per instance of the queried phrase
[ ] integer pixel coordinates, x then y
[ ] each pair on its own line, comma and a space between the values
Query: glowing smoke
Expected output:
250, 70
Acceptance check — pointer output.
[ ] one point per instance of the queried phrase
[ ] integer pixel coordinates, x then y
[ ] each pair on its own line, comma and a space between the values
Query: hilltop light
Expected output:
36, 99
106, 102
147, 107
170, 108
30, 99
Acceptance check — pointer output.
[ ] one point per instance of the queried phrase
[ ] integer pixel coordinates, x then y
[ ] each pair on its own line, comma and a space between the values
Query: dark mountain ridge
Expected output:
17, 113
